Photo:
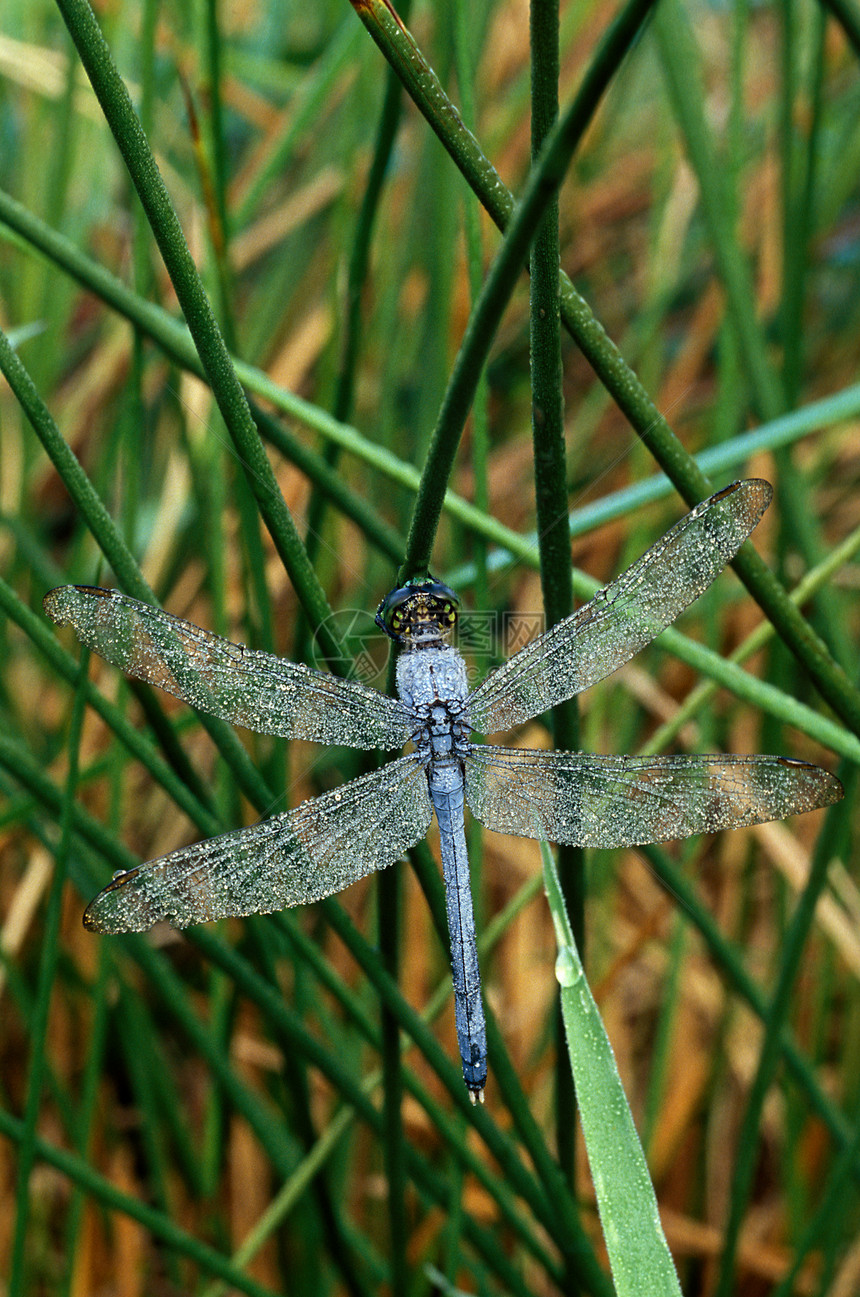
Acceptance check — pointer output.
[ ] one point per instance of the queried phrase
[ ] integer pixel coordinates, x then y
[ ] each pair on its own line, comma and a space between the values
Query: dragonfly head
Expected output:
422, 612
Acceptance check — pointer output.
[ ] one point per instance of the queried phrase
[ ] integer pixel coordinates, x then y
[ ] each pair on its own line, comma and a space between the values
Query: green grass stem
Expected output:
602, 354
208, 340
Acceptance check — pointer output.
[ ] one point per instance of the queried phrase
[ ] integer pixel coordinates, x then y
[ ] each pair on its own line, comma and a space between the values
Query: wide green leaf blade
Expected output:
639, 1255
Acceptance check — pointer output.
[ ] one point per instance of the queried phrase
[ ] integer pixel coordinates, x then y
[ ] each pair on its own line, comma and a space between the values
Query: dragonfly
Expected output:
330, 841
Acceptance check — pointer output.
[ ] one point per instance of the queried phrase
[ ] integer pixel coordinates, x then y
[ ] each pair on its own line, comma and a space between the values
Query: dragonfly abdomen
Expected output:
446, 784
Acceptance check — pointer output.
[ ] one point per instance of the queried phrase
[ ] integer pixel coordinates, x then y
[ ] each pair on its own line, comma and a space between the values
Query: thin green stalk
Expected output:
89, 1107
677, 950
680, 60
701, 696
452, 1231
68, 467
268, 999
550, 468
132, 479
848, 16
541, 186
390, 117
50, 951
174, 339
556, 1212
335, 65
389, 893
602, 354
171, 1144
729, 959
22, 997
465, 41
775, 1022
81, 1174
389, 890
217, 136
359, 261
66, 667
206, 162
357, 271
120, 115
283, 1020
837, 1200
681, 64
802, 217
438, 1114
112, 545
796, 219
288, 1197
259, 614
556, 1189
737, 119
545, 339
323, 1190
146, 1069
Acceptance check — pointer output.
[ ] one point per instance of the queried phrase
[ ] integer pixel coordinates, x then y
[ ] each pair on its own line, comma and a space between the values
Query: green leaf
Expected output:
638, 1252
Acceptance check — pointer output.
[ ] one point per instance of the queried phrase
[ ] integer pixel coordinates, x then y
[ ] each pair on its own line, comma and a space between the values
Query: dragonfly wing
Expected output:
621, 619
606, 801
241, 685
319, 848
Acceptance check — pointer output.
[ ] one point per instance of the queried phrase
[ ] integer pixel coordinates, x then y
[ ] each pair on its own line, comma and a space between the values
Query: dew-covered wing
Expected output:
313, 851
241, 685
606, 801
621, 619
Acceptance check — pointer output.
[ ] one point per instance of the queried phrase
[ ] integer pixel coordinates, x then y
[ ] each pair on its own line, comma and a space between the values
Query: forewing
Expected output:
605, 801
606, 632
319, 848
244, 686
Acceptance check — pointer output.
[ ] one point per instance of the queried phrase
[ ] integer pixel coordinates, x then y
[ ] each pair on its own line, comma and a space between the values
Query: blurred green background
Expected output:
205, 1113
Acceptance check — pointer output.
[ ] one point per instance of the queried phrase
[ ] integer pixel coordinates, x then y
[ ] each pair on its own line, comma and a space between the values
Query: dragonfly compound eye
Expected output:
419, 612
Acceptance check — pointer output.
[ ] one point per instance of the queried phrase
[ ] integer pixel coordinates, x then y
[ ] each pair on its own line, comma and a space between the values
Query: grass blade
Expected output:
638, 1253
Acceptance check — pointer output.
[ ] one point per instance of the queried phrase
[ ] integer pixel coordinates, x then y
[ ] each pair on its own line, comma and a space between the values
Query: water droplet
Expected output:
567, 967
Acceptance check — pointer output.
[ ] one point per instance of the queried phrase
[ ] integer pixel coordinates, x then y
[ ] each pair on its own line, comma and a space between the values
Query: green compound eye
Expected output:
420, 610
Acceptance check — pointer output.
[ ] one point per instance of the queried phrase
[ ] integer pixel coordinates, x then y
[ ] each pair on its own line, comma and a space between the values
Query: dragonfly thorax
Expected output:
432, 686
